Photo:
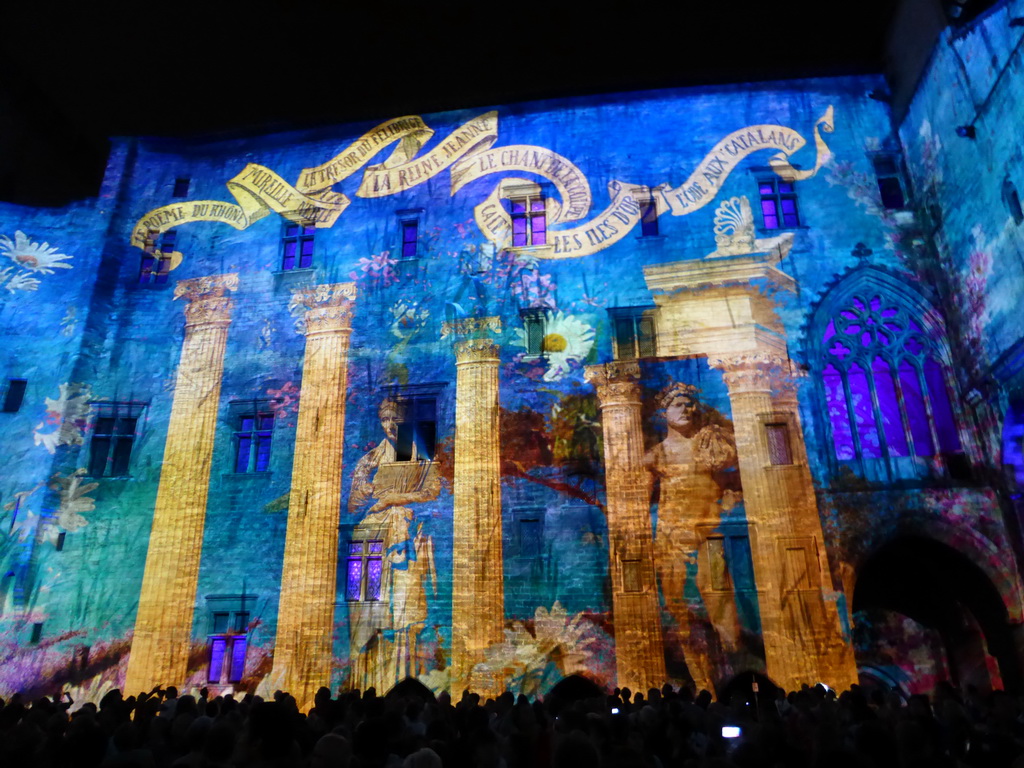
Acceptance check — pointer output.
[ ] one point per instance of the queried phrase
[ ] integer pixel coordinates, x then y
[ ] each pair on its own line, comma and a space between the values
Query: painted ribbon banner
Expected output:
410, 132
705, 182
572, 185
468, 152
258, 191
399, 173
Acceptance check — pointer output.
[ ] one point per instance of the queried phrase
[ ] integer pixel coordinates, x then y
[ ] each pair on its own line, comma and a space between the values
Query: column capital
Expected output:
471, 326
207, 304
476, 351
328, 307
617, 383
758, 371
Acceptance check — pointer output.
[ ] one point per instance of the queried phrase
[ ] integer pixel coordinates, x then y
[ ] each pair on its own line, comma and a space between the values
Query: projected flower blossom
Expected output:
35, 257
566, 342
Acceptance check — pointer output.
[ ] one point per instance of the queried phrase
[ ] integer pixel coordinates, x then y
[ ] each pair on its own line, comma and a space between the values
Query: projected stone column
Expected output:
302, 651
478, 585
639, 649
802, 635
163, 625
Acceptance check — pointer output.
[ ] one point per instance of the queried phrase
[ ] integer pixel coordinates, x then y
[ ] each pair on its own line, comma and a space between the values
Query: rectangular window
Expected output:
718, 568
631, 578
238, 645
297, 246
37, 633
779, 452
799, 564
113, 438
363, 570
417, 428
410, 237
229, 625
890, 181
253, 433
533, 325
61, 537
529, 221
648, 217
14, 395
530, 544
219, 622
778, 204
634, 333
156, 259
218, 647
181, 187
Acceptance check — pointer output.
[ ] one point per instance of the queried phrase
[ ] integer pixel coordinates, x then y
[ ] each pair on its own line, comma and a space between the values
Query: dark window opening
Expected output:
530, 544
181, 187
37, 633
417, 428
890, 181
648, 217
113, 438
1012, 201
60, 540
634, 334
14, 395
534, 326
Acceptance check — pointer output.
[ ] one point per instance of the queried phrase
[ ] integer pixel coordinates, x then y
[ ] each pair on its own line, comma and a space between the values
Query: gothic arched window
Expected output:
886, 384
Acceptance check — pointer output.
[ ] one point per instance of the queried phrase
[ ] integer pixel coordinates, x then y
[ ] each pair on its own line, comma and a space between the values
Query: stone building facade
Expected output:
670, 386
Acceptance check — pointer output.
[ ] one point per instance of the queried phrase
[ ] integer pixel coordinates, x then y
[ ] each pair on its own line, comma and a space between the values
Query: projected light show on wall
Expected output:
683, 387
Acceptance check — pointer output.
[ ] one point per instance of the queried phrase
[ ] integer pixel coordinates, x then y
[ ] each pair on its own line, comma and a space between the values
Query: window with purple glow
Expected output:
888, 395
778, 204
410, 234
529, 221
363, 570
297, 245
252, 441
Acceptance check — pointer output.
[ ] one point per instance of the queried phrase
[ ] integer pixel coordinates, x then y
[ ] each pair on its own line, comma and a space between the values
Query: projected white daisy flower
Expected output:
565, 340
34, 257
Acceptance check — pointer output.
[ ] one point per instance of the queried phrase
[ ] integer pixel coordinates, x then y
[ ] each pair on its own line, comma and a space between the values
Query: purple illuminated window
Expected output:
529, 221
888, 396
252, 442
218, 647
238, 644
298, 246
364, 570
778, 204
410, 233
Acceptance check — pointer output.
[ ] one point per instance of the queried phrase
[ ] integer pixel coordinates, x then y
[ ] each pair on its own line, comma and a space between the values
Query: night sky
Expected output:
74, 76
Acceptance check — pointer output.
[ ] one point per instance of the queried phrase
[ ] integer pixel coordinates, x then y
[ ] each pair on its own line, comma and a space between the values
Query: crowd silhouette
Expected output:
409, 728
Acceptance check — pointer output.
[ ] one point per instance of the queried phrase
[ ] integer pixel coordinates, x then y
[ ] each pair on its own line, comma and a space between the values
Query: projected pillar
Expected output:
802, 637
302, 651
478, 597
163, 626
724, 307
639, 649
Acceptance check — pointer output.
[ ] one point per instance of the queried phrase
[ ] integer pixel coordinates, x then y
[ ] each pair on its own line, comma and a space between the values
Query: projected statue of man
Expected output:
685, 463
387, 597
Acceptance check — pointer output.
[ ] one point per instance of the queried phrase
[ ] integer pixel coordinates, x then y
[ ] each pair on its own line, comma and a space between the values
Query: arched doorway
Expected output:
923, 612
